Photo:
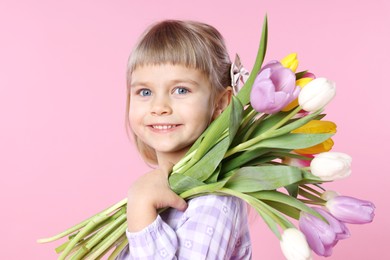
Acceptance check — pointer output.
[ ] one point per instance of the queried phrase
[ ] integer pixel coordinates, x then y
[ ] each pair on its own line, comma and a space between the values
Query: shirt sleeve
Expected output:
209, 229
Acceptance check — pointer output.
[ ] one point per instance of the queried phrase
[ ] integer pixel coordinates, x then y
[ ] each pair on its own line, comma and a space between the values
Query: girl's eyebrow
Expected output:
171, 82
190, 81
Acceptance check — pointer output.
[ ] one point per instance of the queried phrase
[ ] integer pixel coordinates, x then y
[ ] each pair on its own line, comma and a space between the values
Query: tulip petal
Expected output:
284, 80
316, 94
294, 245
262, 95
341, 230
351, 210
331, 166
319, 234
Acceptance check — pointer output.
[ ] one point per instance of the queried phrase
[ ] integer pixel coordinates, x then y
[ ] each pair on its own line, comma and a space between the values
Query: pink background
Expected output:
64, 151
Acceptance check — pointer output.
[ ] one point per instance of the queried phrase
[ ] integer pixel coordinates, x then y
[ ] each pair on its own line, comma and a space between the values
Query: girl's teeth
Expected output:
163, 127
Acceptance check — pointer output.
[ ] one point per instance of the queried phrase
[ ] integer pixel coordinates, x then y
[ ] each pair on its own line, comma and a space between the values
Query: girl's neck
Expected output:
171, 158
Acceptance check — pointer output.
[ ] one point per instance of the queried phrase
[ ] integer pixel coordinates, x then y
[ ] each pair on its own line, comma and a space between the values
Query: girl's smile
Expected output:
161, 128
170, 107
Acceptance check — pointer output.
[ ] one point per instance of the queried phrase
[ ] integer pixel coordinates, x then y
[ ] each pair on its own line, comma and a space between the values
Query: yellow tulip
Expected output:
300, 82
290, 61
317, 127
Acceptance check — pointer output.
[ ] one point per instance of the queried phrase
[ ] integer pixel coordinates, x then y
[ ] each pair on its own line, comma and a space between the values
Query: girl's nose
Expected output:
161, 106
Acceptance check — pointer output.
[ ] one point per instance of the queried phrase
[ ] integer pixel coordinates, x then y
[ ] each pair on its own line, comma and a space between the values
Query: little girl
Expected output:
178, 83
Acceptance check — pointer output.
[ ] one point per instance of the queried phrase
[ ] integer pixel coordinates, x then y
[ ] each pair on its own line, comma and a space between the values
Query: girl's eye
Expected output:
145, 92
180, 91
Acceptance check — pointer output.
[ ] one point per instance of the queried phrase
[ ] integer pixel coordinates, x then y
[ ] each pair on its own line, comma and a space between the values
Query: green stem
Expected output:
94, 222
118, 249
311, 202
311, 190
83, 223
106, 243
265, 135
247, 119
250, 200
253, 127
107, 229
183, 165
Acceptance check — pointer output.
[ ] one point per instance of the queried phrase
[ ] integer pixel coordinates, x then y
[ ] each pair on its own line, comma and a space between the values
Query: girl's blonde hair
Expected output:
192, 44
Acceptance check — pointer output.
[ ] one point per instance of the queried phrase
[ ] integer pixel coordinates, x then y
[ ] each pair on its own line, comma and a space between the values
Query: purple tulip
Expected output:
273, 89
351, 210
340, 229
320, 235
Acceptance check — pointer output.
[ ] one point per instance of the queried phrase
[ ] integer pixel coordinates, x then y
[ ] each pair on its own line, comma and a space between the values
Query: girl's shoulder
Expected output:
216, 204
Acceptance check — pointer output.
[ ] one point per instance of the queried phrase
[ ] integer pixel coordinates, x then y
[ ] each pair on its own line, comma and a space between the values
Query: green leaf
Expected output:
295, 124
258, 178
269, 122
310, 196
300, 74
292, 189
279, 197
293, 141
206, 166
242, 159
229, 121
244, 93
180, 183
203, 189
284, 208
282, 220
215, 176
235, 117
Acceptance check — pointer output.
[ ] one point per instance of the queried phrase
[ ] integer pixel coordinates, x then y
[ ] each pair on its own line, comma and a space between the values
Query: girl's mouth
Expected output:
163, 127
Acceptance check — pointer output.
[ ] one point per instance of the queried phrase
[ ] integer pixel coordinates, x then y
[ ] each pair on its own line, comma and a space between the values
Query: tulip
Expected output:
320, 236
298, 162
290, 61
339, 227
317, 94
273, 88
301, 83
351, 210
317, 127
329, 194
330, 166
294, 245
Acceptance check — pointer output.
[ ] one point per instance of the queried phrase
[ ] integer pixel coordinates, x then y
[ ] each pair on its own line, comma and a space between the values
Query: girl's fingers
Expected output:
177, 202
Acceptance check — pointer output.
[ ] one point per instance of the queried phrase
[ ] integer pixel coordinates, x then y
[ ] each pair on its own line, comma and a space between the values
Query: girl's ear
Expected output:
222, 101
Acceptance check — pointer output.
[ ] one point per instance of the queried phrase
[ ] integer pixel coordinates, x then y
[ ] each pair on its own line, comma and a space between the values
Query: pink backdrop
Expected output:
64, 151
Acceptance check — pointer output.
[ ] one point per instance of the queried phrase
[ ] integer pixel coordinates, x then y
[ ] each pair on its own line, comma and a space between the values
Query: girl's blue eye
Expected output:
145, 92
181, 91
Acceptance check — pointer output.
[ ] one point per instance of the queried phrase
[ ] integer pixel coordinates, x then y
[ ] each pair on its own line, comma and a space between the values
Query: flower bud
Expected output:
297, 162
351, 210
330, 166
301, 83
317, 127
290, 61
316, 94
273, 88
320, 236
294, 245
329, 194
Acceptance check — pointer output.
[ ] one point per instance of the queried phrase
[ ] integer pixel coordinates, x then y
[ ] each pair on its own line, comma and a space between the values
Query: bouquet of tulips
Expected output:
270, 147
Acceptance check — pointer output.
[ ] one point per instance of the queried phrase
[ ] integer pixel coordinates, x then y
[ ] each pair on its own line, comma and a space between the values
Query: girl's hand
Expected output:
148, 194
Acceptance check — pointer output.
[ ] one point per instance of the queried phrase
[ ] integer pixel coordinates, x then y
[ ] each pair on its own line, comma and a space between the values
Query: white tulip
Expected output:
330, 166
316, 94
329, 194
294, 245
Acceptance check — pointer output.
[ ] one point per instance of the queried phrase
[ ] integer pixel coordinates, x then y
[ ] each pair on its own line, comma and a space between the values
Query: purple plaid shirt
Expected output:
212, 227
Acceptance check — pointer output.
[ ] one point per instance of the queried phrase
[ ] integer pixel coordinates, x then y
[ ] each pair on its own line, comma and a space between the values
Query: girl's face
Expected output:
170, 107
